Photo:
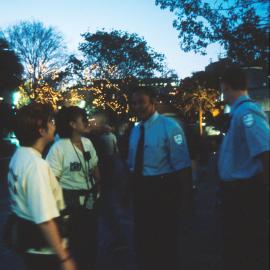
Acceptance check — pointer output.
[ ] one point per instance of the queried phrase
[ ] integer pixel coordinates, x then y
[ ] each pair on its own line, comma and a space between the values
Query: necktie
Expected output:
139, 153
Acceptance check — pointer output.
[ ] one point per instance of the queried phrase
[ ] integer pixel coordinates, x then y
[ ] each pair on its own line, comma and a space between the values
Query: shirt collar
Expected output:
150, 120
237, 101
32, 150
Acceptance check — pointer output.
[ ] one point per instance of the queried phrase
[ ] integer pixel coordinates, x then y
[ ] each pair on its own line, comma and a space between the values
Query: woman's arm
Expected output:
51, 233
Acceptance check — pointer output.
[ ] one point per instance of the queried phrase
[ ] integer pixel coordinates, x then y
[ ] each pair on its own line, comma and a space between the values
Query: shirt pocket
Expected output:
155, 150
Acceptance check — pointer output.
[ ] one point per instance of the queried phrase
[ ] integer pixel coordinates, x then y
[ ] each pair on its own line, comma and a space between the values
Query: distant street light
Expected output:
15, 98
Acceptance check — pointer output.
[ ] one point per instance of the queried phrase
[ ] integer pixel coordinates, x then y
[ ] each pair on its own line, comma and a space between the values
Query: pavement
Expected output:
200, 237
200, 232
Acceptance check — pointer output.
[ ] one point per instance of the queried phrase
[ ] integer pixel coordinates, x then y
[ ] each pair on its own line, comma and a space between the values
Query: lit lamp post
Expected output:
15, 99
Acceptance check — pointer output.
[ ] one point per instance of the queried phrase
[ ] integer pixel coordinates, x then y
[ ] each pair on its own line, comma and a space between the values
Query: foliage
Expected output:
201, 98
10, 67
45, 93
198, 97
6, 120
110, 63
103, 94
249, 45
200, 79
119, 55
240, 26
41, 50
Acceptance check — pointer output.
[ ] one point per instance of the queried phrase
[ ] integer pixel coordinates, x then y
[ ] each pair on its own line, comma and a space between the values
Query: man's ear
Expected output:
72, 124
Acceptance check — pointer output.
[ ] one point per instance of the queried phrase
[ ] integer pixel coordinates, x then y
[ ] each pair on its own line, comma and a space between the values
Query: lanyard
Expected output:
85, 168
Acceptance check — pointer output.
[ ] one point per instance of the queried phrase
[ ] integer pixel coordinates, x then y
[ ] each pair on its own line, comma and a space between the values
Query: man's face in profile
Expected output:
225, 91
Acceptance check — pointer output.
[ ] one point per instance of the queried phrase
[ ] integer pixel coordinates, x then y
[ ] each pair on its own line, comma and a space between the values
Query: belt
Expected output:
163, 176
77, 191
156, 177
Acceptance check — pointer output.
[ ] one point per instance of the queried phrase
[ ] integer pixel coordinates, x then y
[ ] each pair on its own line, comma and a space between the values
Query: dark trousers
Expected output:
156, 204
245, 224
40, 262
82, 231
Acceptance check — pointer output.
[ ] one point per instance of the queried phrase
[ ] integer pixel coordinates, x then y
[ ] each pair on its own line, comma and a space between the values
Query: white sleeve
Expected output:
40, 200
55, 159
94, 157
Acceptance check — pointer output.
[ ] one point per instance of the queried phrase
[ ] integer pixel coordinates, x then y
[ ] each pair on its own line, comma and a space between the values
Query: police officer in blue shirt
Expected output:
159, 162
243, 169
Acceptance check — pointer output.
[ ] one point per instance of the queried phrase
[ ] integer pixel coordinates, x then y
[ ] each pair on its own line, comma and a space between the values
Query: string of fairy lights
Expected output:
98, 89
97, 92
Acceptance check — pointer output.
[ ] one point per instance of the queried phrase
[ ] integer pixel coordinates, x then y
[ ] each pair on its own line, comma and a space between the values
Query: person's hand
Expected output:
69, 265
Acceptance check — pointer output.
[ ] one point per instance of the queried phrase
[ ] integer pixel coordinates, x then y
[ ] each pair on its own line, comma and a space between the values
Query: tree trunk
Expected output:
200, 121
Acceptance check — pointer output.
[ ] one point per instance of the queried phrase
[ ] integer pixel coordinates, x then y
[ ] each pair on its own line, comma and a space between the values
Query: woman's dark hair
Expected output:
235, 76
29, 119
65, 116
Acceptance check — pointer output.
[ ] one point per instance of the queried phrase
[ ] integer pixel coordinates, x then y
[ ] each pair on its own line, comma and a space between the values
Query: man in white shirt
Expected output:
243, 167
161, 172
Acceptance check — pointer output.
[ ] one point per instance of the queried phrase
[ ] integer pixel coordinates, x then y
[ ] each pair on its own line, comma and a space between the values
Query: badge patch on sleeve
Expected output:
178, 139
248, 120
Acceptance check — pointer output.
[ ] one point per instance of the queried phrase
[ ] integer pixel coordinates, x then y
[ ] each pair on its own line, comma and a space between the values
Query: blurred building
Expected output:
258, 87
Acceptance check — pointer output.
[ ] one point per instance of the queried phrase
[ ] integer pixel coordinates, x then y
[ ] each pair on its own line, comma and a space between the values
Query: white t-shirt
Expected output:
35, 193
68, 163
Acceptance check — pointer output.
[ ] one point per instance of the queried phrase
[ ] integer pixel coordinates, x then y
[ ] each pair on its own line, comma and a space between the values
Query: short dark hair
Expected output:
235, 76
65, 116
29, 119
146, 90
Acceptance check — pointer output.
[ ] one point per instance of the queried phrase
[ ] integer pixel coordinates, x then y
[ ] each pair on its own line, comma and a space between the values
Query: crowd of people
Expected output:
64, 173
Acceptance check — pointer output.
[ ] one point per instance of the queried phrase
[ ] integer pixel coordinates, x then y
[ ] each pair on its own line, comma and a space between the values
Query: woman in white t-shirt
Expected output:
36, 196
74, 161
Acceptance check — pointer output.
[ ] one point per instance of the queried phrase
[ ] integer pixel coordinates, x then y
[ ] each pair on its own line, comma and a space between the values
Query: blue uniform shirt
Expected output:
165, 146
247, 137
